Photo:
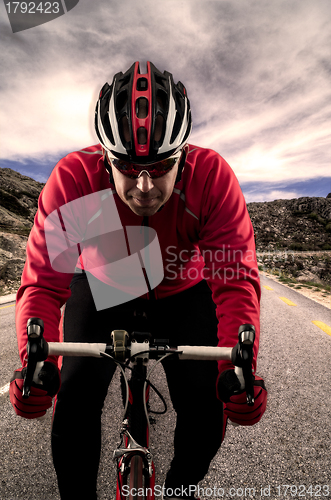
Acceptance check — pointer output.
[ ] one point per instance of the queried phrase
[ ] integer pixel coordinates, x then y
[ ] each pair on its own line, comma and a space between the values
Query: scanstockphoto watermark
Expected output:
226, 253
26, 15
212, 272
189, 492
225, 264
204, 492
275, 491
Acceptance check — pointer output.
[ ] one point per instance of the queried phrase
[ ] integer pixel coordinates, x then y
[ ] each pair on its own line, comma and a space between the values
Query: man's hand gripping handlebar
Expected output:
239, 386
33, 387
242, 357
37, 352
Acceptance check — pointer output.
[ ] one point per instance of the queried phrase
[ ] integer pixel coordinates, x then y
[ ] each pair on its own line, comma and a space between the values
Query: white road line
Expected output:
4, 389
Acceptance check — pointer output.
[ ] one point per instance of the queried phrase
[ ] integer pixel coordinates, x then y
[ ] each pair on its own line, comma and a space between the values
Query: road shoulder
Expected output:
323, 298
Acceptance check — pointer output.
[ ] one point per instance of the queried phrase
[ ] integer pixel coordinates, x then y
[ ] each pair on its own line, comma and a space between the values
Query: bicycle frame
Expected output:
135, 467
136, 471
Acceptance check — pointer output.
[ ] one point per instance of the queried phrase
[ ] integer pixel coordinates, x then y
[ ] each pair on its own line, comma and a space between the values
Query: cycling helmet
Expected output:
143, 118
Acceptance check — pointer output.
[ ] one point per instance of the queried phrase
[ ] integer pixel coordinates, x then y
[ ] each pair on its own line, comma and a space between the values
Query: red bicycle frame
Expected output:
135, 467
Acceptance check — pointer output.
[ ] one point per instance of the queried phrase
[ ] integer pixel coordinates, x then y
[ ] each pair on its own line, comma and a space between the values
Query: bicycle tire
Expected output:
136, 479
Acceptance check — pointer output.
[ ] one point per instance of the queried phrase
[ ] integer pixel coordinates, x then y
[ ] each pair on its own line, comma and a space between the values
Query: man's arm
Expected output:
234, 280
43, 290
231, 267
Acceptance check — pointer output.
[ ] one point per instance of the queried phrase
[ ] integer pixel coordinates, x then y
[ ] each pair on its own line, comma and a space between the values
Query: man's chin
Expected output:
145, 210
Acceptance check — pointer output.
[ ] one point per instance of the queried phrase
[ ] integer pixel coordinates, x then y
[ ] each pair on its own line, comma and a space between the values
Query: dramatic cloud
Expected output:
257, 74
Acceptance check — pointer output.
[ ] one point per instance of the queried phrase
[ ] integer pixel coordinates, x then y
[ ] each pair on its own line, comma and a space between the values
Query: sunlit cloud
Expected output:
52, 119
257, 75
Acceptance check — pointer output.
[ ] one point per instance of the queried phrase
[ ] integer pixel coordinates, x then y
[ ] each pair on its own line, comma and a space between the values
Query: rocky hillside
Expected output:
298, 224
18, 202
18, 205
282, 228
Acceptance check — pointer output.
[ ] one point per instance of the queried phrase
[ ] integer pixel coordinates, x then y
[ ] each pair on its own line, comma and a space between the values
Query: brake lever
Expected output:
37, 350
242, 356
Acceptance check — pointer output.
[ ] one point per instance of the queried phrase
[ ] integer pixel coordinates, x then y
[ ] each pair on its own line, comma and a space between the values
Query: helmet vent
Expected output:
179, 101
160, 80
124, 129
142, 107
161, 98
159, 128
142, 135
176, 129
121, 100
124, 81
103, 110
142, 84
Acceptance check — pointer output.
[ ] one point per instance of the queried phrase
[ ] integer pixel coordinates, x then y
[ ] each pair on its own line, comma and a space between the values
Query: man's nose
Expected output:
144, 182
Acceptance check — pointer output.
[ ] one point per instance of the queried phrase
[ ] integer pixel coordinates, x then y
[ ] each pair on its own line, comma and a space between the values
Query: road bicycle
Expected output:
135, 466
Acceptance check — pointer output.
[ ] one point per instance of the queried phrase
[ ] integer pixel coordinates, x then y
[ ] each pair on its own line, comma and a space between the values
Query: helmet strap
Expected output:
181, 165
108, 167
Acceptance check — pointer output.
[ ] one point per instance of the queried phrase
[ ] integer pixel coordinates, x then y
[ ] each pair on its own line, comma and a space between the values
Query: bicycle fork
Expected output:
136, 473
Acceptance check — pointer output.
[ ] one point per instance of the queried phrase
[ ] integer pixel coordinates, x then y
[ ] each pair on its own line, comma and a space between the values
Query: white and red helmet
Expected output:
143, 118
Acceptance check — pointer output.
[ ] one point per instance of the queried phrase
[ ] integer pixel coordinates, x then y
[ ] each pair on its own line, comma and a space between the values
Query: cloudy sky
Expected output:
257, 74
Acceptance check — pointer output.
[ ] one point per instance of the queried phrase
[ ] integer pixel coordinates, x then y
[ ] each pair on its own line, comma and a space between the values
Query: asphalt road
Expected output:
287, 454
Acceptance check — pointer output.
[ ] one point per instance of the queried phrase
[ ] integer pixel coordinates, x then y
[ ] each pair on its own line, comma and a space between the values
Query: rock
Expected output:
308, 276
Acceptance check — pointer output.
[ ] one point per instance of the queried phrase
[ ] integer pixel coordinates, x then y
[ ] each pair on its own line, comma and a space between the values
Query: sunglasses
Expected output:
154, 170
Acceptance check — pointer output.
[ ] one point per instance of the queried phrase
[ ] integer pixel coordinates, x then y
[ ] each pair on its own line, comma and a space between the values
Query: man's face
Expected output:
145, 196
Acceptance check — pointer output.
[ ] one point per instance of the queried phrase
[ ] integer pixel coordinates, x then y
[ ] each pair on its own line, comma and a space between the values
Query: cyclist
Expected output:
191, 198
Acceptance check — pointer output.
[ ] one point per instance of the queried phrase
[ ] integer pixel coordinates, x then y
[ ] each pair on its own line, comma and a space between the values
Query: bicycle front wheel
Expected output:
136, 479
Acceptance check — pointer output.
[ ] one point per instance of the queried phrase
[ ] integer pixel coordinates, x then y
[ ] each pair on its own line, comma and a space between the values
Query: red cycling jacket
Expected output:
204, 232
